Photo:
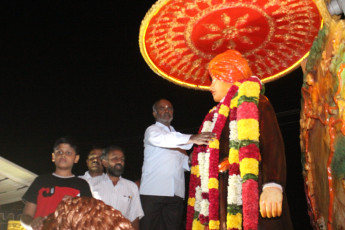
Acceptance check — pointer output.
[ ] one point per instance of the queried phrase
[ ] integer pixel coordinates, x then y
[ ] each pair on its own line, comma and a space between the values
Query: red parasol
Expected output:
179, 37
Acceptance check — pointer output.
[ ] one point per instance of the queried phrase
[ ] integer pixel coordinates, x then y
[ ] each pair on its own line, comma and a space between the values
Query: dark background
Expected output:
74, 68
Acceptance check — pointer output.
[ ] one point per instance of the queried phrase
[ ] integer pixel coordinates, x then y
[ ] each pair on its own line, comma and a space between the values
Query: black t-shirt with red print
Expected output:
47, 191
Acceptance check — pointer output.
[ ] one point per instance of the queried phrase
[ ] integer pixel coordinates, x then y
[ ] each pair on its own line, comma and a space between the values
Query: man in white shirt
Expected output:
116, 191
93, 163
95, 168
162, 185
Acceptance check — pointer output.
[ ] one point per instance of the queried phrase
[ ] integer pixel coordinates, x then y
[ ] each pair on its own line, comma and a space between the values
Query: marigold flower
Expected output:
233, 156
249, 165
213, 183
197, 225
195, 170
213, 224
248, 129
249, 89
214, 144
224, 110
234, 221
234, 102
191, 202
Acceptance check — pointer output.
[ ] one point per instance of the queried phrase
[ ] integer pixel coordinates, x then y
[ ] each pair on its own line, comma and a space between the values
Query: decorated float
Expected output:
323, 125
178, 38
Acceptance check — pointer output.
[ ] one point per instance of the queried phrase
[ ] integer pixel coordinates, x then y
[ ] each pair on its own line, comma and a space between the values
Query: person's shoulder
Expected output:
79, 183
129, 182
79, 180
264, 103
98, 180
85, 176
41, 179
82, 177
153, 128
263, 99
44, 177
75, 180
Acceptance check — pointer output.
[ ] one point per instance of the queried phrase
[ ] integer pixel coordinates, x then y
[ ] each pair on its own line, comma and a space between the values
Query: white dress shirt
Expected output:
92, 180
124, 196
164, 165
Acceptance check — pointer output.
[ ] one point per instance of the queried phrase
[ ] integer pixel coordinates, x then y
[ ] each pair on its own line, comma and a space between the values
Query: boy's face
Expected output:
64, 156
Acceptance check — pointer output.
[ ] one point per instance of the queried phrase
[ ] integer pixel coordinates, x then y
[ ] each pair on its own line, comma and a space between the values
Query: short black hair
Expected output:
66, 140
109, 149
92, 148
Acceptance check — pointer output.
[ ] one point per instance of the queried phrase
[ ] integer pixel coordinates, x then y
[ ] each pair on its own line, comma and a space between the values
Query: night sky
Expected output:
74, 68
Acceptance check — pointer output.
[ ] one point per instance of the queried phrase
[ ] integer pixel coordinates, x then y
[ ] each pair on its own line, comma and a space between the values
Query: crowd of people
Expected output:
158, 202
162, 187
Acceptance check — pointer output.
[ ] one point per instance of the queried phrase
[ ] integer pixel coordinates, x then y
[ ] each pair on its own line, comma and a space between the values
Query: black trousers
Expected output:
161, 212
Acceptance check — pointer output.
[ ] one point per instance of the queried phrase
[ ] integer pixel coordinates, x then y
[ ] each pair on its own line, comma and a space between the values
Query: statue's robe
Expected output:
272, 166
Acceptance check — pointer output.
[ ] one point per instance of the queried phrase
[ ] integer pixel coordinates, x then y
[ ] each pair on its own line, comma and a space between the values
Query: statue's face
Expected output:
219, 89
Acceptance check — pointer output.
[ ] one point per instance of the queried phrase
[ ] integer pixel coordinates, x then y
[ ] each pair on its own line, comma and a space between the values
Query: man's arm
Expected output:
27, 218
28, 213
135, 223
273, 162
161, 138
158, 137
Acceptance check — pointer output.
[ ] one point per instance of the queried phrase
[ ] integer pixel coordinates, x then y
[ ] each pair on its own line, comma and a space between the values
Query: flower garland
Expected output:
243, 158
203, 201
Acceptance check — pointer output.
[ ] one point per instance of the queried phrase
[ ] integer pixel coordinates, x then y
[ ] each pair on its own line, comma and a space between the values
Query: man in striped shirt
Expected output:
118, 192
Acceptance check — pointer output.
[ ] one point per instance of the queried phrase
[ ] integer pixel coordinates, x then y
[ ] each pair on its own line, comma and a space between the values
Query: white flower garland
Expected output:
198, 198
235, 190
233, 133
204, 162
235, 181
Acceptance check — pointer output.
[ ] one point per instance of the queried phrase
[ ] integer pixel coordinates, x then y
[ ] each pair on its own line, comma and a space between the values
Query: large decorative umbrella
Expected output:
179, 37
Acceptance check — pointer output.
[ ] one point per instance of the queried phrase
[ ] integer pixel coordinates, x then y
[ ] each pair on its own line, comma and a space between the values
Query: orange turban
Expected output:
229, 66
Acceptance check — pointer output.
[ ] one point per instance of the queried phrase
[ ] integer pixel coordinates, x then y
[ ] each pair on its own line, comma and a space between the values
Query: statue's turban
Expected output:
229, 66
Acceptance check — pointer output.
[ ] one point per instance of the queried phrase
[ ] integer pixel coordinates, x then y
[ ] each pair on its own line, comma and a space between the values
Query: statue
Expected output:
246, 158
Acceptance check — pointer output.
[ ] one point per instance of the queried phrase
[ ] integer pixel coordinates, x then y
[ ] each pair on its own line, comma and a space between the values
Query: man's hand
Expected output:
37, 223
28, 216
202, 138
32, 224
135, 224
271, 200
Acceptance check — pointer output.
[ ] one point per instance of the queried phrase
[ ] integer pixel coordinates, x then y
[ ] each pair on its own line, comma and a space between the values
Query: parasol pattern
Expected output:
179, 37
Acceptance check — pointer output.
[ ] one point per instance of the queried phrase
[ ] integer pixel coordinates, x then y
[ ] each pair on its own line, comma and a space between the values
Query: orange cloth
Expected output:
229, 66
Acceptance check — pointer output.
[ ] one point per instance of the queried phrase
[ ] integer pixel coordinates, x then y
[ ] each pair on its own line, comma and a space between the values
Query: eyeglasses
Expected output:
60, 153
